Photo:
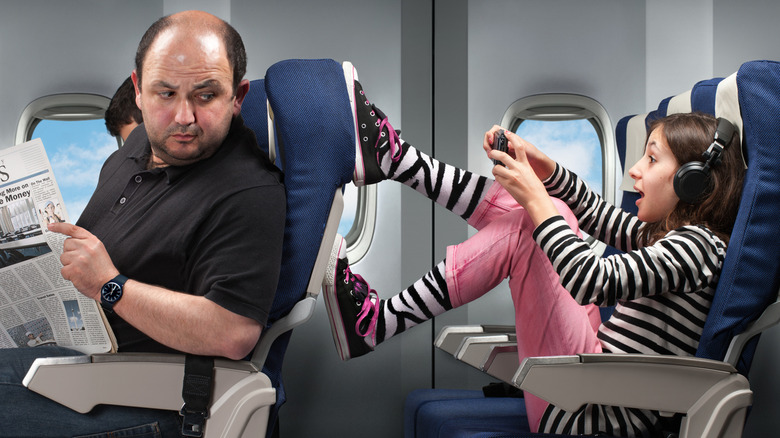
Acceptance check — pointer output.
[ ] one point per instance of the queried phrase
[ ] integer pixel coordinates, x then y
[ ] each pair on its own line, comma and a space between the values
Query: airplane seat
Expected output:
312, 175
711, 389
310, 127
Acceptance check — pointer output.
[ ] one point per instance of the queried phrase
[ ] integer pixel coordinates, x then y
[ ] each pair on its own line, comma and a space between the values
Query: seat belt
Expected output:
196, 393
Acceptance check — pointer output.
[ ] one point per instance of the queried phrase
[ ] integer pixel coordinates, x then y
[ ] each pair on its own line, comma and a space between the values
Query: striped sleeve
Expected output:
686, 260
596, 217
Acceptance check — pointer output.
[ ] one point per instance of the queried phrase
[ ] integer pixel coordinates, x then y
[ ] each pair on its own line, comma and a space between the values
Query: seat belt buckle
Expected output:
193, 422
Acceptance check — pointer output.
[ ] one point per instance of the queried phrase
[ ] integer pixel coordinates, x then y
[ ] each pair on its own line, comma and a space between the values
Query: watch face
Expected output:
111, 292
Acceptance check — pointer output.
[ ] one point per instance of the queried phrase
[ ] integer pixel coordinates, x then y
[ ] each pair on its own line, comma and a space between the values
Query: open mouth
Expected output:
641, 195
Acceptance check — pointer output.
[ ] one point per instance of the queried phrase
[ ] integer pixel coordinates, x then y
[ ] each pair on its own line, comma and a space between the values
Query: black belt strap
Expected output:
196, 392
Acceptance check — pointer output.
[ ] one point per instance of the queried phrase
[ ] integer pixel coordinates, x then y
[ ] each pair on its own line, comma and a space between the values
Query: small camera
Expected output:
499, 144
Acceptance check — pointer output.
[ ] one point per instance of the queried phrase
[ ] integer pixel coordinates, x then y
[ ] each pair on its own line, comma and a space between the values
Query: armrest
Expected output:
711, 393
451, 337
241, 391
502, 362
474, 349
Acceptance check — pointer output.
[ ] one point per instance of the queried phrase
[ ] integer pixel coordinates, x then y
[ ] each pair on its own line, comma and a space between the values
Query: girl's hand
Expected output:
543, 165
522, 180
487, 142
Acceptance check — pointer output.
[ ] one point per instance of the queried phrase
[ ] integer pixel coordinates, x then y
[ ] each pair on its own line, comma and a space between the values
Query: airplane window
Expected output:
73, 131
575, 131
572, 129
76, 150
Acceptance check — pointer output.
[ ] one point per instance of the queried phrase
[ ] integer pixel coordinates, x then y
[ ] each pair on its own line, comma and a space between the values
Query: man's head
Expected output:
123, 115
189, 86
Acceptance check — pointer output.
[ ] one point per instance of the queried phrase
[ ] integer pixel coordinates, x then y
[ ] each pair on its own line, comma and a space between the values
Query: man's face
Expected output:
186, 96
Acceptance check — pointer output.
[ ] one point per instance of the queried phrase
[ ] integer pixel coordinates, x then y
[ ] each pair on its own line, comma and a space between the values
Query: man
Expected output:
34, 341
123, 115
185, 269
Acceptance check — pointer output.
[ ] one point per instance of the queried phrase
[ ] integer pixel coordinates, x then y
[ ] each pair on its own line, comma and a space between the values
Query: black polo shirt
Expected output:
213, 228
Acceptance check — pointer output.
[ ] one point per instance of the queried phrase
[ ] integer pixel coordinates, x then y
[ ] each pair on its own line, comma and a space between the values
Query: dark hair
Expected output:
688, 136
122, 110
234, 46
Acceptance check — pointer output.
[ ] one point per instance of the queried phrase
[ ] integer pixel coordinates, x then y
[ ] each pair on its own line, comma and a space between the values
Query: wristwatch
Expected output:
111, 292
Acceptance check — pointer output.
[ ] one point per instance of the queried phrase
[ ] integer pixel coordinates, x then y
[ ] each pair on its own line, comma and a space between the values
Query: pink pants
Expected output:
547, 319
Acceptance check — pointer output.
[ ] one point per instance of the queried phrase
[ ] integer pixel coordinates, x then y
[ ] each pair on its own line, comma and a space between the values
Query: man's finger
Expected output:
68, 229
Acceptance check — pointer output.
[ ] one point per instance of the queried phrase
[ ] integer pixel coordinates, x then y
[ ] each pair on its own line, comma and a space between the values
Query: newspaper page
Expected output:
38, 306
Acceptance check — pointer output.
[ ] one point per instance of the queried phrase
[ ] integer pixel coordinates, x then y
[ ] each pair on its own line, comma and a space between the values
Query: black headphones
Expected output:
692, 180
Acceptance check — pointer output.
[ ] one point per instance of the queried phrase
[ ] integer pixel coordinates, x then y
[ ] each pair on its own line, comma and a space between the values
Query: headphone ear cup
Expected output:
691, 182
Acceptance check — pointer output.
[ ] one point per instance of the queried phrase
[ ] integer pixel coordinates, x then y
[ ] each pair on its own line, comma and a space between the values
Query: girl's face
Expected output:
653, 178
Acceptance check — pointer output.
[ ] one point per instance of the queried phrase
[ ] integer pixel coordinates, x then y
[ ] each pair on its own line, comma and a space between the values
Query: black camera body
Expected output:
499, 144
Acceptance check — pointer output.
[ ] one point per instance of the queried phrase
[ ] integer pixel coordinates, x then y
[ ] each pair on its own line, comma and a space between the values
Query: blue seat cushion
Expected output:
462, 413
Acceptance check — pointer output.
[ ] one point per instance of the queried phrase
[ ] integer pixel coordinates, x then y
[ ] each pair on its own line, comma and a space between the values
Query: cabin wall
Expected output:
78, 46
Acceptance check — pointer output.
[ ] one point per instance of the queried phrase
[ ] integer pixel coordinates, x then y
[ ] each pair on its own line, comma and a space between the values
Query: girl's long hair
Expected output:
688, 136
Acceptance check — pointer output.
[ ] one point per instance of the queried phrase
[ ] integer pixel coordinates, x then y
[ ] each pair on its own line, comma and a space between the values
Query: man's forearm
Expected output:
188, 323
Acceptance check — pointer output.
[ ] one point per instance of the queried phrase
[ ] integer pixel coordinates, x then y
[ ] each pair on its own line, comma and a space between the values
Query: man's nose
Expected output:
184, 113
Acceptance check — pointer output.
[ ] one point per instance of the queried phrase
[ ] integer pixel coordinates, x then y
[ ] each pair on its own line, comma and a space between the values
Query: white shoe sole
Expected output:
331, 300
350, 76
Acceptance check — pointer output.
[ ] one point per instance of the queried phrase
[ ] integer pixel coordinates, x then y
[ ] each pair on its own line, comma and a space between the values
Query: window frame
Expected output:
61, 107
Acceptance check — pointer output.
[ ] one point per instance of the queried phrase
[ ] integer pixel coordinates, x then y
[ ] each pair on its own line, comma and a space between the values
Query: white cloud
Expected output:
77, 166
574, 145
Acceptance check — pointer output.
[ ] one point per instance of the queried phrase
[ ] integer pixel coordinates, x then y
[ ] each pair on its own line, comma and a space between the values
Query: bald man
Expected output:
165, 244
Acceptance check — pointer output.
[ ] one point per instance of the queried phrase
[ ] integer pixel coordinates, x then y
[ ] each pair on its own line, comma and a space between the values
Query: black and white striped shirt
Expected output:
661, 293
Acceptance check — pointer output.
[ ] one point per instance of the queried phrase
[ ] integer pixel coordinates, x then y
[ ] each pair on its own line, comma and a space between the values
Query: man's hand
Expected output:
85, 261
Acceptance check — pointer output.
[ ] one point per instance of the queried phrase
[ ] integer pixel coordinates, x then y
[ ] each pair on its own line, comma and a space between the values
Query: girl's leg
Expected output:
504, 248
497, 201
548, 322
383, 155
359, 319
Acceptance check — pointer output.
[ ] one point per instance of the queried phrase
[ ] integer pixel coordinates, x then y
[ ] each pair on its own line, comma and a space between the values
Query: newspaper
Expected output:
38, 306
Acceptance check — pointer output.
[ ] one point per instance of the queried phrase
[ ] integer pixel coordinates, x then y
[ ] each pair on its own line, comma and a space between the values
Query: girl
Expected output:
527, 225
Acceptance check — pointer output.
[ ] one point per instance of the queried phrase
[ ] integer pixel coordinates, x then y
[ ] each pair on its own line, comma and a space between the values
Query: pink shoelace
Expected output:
395, 141
370, 302
392, 134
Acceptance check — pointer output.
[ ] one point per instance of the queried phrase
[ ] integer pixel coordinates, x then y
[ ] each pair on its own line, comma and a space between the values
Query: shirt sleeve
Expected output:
685, 260
595, 216
236, 257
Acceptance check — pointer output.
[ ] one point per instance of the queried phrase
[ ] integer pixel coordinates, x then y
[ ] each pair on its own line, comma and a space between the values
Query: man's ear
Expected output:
134, 77
241, 92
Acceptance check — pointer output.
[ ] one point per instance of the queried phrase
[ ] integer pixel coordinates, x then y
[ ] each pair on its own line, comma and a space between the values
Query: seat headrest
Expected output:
717, 96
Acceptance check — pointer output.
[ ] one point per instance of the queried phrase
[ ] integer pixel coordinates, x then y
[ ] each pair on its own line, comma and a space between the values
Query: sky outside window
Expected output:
574, 144
76, 150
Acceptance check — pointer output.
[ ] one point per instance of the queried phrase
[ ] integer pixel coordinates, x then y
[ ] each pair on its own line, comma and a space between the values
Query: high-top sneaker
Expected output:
373, 132
352, 306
